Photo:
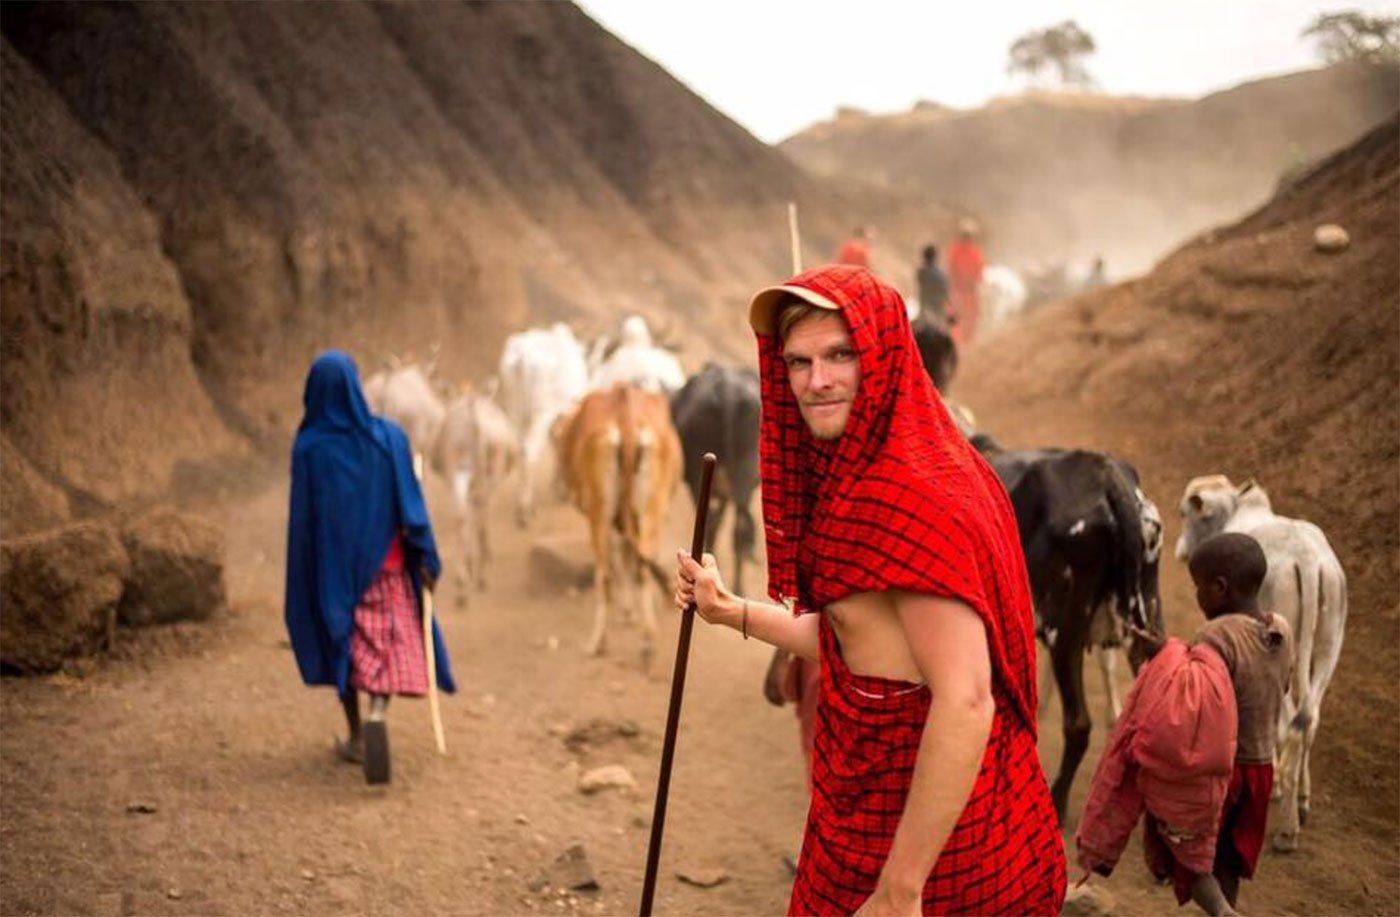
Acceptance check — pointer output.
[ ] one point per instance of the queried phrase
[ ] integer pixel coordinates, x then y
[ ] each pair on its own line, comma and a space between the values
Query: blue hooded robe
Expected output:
353, 489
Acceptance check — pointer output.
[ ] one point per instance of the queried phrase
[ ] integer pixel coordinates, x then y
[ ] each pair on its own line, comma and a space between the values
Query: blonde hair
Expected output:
795, 311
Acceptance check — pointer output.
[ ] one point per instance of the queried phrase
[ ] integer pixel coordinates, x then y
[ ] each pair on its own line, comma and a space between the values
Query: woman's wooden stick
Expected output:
433, 707
673, 714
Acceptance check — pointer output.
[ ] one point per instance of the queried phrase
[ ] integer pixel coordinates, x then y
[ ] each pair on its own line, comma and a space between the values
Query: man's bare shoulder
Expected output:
906, 600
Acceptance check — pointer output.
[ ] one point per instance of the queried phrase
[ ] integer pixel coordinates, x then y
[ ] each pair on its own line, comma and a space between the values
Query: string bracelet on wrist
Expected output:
745, 628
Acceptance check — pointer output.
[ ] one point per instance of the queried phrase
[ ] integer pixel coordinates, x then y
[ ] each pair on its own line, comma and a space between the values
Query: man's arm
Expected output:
949, 644
773, 624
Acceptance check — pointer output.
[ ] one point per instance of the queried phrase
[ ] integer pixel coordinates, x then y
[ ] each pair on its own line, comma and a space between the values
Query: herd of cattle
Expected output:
617, 425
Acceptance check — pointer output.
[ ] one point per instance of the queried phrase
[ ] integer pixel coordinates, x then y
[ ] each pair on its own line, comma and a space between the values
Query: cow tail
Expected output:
1128, 518
1308, 586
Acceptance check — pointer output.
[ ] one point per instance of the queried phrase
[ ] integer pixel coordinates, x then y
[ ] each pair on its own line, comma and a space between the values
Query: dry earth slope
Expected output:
1248, 352
198, 196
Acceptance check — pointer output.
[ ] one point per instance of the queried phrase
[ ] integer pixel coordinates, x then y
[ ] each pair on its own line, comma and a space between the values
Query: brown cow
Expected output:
621, 459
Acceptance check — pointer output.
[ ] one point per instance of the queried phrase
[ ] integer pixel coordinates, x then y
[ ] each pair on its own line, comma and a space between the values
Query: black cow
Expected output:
1092, 542
717, 411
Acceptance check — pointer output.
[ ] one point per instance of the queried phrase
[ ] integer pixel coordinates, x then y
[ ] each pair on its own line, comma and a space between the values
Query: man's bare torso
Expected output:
872, 639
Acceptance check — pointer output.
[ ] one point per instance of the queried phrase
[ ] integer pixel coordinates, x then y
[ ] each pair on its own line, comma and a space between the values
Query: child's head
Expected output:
1228, 570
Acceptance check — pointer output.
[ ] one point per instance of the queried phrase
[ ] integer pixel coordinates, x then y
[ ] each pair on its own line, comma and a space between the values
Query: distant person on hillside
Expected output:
965, 266
933, 285
933, 326
856, 249
1096, 276
360, 550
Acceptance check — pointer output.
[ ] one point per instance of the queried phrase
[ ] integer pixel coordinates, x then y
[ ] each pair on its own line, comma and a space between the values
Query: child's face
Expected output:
1212, 594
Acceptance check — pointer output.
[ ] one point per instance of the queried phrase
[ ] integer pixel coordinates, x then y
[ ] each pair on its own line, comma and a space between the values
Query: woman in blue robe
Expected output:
360, 550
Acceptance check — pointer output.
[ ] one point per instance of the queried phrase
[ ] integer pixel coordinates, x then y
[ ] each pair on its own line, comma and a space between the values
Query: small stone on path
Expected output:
613, 776
571, 870
141, 808
703, 878
1089, 901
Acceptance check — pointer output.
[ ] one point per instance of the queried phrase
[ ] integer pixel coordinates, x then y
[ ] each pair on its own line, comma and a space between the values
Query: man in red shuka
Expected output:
895, 545
856, 249
965, 265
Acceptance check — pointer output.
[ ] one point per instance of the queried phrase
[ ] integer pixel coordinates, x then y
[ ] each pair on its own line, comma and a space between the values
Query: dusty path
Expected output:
253, 816
212, 728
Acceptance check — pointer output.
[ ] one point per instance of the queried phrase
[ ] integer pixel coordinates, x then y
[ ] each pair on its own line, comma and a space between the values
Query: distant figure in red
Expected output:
965, 264
856, 249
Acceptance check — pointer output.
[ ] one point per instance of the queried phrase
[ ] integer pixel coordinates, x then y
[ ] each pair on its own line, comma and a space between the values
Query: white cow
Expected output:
405, 395
640, 362
544, 374
1306, 586
475, 451
1003, 296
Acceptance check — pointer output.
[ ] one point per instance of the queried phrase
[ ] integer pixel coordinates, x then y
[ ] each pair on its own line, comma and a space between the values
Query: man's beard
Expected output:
826, 428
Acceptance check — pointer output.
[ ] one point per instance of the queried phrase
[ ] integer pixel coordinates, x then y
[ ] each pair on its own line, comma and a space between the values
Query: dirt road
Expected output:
213, 730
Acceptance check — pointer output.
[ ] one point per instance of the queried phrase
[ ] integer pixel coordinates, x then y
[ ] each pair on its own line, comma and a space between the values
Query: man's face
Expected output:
824, 371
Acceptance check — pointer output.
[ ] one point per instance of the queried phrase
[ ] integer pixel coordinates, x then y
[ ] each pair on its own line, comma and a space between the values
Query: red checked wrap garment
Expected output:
902, 501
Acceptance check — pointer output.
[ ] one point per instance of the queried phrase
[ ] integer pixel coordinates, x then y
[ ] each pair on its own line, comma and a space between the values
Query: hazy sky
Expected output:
776, 66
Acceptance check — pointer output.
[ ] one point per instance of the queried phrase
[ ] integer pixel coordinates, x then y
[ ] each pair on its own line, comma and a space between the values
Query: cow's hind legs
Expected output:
604, 581
1108, 668
1305, 777
1068, 661
1293, 777
483, 541
597, 640
600, 510
1286, 777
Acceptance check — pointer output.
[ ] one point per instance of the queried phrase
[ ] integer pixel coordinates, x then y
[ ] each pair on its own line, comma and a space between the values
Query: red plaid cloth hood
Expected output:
901, 500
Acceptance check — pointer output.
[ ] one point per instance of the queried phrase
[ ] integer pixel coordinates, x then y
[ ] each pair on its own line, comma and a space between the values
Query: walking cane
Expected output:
433, 707
673, 713
431, 656
796, 238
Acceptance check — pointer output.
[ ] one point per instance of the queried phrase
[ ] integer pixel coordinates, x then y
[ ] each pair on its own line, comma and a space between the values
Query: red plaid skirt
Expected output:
1005, 856
386, 649
1243, 826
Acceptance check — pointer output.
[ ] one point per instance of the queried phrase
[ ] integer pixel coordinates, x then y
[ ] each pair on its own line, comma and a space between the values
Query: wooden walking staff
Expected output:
796, 238
673, 713
433, 707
